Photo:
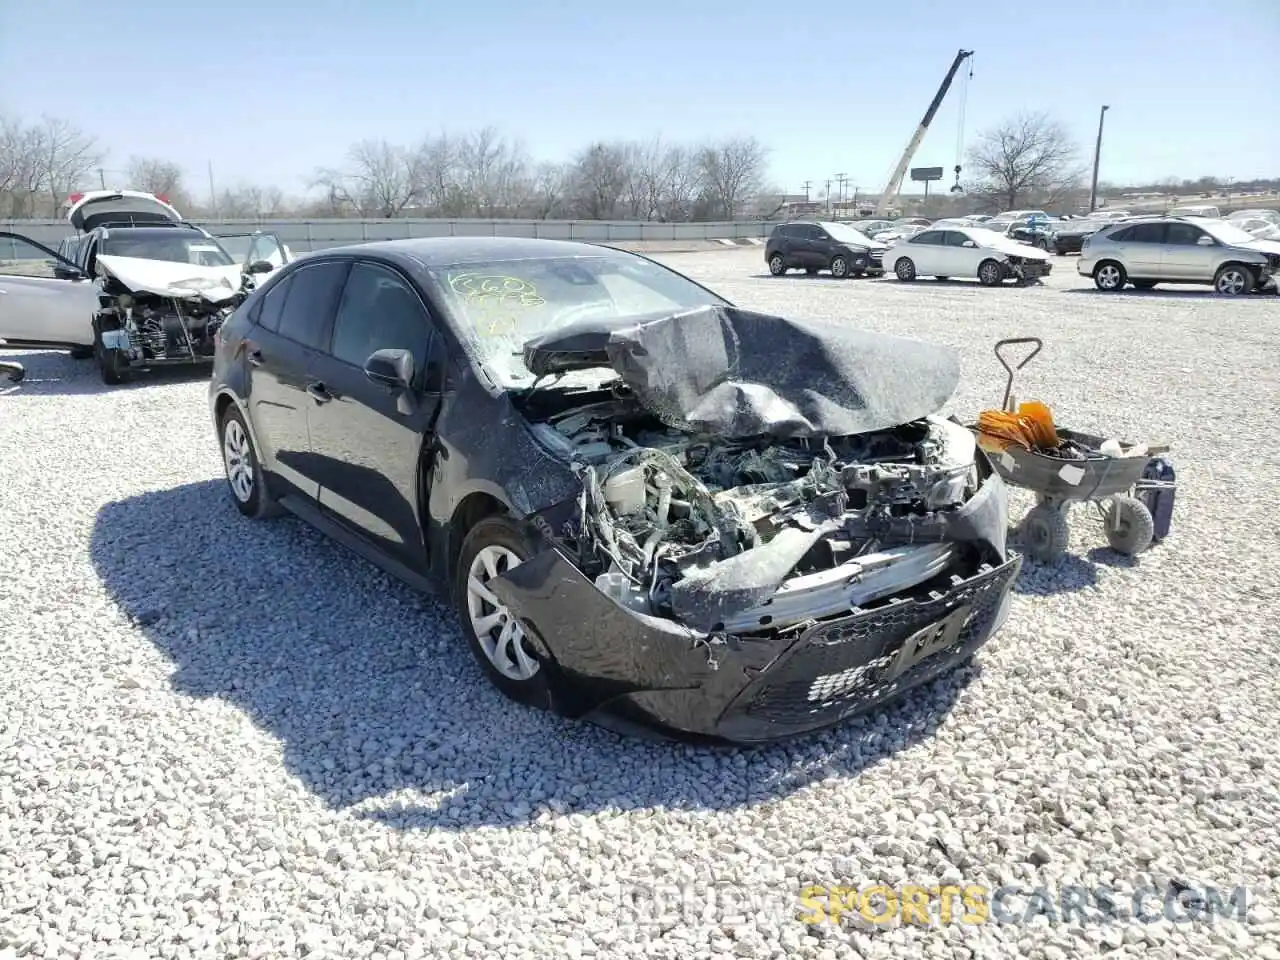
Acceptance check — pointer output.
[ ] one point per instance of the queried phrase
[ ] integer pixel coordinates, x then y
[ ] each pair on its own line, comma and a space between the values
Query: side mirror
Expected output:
63, 272
259, 266
392, 368
1205, 242
968, 243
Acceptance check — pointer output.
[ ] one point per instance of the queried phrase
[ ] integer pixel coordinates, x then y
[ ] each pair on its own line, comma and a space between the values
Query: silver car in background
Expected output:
1147, 251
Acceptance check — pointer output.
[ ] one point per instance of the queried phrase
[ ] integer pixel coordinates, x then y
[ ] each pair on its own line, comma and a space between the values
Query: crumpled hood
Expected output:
729, 372
1011, 247
164, 278
1263, 246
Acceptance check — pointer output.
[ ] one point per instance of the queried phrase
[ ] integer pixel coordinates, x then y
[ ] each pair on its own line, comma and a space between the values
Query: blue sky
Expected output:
266, 92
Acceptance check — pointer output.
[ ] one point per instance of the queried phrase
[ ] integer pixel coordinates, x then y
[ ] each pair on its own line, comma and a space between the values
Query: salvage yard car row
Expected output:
1115, 251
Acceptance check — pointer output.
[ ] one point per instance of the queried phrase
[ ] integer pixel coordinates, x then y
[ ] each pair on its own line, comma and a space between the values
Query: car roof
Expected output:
446, 251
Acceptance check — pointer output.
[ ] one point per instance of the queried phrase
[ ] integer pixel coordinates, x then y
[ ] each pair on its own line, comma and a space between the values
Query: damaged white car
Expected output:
148, 290
966, 252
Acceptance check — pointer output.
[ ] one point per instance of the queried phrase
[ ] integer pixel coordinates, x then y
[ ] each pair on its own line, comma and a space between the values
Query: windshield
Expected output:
177, 249
1227, 232
500, 304
846, 234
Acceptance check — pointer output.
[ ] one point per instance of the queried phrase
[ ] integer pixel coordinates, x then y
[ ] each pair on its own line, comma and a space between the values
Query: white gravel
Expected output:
222, 738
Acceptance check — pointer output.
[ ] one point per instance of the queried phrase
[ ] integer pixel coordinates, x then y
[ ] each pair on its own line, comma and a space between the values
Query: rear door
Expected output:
44, 298
366, 437
291, 325
1142, 250
928, 252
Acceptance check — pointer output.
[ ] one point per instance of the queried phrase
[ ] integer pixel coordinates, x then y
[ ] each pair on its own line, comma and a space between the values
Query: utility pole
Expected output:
1097, 159
213, 196
807, 185
828, 197
102, 178
841, 179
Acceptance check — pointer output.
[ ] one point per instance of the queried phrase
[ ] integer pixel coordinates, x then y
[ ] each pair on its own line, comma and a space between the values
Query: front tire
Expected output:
990, 273
839, 267
492, 547
112, 365
245, 477
1045, 533
777, 266
1234, 280
905, 270
1109, 277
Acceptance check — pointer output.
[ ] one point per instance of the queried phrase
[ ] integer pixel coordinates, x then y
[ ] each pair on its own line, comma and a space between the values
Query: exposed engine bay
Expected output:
146, 327
150, 316
747, 535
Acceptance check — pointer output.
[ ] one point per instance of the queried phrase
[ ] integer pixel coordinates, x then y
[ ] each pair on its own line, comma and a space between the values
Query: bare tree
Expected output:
1027, 157
66, 157
164, 178
731, 172
547, 190
378, 180
599, 180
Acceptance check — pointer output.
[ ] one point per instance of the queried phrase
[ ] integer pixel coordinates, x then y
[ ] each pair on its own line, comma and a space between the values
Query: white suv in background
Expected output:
1179, 250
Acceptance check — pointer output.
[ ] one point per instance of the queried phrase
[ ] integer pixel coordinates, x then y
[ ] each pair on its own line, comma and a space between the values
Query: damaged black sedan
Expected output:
650, 508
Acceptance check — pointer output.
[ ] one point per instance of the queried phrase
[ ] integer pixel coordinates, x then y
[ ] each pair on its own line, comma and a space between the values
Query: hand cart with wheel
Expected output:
1132, 493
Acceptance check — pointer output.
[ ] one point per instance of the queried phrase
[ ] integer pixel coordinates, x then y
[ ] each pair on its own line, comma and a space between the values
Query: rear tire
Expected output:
245, 477
1109, 277
777, 266
904, 269
493, 546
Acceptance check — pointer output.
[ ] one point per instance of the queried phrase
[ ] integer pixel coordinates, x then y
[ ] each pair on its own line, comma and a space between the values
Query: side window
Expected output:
930, 237
1148, 233
268, 313
379, 311
20, 257
313, 292
1121, 236
1183, 234
786, 232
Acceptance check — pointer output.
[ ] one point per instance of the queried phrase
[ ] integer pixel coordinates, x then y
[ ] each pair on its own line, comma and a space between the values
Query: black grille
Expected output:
844, 665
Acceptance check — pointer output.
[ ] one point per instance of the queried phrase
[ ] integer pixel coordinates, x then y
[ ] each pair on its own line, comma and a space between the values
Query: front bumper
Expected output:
629, 670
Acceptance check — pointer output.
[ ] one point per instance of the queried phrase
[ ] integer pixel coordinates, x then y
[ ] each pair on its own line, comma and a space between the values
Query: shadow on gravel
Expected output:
1186, 293
50, 373
386, 712
816, 276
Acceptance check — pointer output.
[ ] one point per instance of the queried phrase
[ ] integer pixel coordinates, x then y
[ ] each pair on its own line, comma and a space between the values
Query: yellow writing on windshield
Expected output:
493, 296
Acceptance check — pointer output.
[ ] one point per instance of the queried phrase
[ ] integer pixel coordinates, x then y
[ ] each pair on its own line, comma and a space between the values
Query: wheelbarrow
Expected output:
1132, 493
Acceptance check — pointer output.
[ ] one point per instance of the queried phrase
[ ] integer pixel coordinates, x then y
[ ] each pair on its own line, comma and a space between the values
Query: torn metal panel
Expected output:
727, 372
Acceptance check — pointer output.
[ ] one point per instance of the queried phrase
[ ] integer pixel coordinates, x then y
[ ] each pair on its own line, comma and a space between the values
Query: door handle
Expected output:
319, 393
254, 357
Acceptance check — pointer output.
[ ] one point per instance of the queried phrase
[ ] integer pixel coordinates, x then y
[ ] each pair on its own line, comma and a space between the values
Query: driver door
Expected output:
45, 299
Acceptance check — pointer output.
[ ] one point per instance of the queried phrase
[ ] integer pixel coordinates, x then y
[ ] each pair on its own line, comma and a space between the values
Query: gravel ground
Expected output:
215, 743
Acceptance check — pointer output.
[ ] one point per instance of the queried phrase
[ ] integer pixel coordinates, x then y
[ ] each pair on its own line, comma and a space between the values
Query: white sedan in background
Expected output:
965, 252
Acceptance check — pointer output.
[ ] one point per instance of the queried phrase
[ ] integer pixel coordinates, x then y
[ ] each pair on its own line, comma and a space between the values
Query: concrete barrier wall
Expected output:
305, 235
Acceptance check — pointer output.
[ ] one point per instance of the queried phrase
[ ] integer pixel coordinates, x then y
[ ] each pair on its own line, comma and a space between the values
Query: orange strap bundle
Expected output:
1031, 427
